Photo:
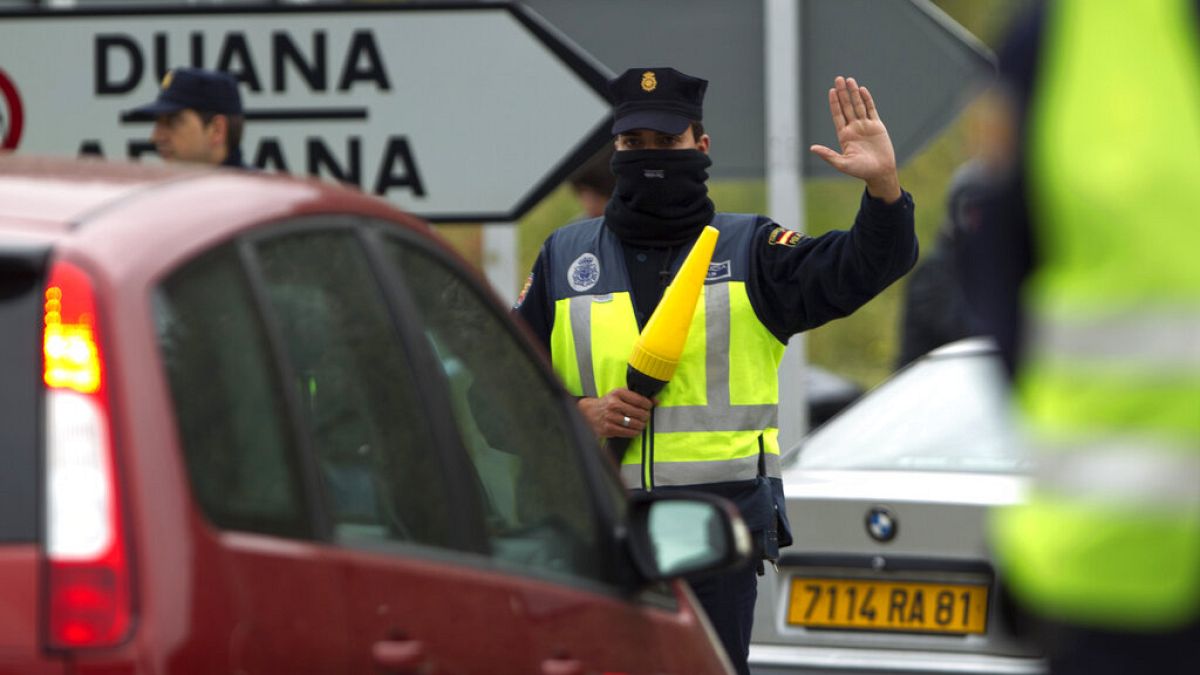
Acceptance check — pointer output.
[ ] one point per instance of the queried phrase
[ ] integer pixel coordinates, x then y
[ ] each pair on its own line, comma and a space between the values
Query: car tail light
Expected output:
88, 584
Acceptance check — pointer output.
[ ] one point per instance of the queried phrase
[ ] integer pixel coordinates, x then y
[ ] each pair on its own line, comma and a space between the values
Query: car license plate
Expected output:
888, 605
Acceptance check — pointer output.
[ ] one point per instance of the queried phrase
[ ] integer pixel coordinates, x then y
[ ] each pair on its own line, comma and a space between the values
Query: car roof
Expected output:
49, 199
946, 411
53, 191
966, 347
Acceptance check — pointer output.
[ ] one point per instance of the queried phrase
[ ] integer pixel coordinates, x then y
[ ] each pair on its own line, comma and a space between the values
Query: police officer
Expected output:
197, 118
1085, 270
595, 284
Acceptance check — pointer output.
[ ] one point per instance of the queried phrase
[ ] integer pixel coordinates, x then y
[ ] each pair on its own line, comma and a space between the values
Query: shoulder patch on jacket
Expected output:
524, 291
584, 272
782, 237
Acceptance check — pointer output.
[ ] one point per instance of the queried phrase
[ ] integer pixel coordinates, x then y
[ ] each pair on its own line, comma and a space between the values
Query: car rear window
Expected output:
230, 412
20, 361
941, 414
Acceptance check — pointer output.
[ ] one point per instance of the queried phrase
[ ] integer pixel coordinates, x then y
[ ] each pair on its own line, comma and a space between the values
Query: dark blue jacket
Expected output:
795, 284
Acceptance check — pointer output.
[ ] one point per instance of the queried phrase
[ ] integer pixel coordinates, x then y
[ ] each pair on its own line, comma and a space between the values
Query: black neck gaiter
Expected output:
661, 198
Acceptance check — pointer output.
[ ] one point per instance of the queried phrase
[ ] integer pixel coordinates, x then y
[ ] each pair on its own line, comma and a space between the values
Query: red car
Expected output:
251, 424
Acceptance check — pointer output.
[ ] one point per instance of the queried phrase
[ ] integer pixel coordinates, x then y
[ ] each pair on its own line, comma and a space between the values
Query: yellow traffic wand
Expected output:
657, 350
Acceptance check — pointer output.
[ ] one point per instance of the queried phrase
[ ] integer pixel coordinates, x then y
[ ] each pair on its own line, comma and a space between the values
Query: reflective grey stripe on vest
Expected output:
718, 415
1123, 471
581, 330
1148, 339
698, 473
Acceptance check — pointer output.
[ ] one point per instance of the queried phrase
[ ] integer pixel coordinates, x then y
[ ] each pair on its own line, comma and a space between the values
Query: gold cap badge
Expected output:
166, 81
649, 82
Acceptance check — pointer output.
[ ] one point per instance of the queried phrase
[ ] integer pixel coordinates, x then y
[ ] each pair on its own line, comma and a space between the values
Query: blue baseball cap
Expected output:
662, 99
195, 88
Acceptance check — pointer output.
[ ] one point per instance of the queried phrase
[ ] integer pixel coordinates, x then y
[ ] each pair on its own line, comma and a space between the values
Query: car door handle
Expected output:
562, 666
399, 654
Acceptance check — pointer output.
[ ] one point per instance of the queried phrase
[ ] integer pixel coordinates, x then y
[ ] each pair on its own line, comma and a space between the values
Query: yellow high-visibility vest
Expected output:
717, 418
1110, 536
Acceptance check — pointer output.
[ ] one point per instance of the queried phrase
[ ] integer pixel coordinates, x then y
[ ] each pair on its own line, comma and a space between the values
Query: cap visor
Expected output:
667, 123
152, 110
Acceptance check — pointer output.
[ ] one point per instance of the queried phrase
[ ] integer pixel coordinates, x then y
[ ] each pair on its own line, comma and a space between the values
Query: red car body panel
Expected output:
208, 600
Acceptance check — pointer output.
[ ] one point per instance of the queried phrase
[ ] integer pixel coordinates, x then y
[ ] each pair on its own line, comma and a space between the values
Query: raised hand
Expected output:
867, 151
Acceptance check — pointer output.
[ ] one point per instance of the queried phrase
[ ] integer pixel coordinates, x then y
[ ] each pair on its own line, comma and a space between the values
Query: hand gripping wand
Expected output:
657, 350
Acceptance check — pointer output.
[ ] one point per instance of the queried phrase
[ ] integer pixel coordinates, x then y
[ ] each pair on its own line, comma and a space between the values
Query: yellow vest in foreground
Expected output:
1110, 536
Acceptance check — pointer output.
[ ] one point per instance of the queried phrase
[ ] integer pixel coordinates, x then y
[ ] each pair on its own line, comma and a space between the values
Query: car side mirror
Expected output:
685, 534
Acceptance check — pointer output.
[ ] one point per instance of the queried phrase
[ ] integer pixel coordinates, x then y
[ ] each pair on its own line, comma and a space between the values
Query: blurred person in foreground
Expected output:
595, 284
935, 310
1085, 270
198, 118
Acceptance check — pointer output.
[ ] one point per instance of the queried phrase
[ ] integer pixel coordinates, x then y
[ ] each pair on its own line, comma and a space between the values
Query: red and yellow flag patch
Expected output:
782, 237
524, 292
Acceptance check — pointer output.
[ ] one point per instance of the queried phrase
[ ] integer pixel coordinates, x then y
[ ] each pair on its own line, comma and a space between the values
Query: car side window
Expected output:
228, 408
21, 307
536, 498
377, 460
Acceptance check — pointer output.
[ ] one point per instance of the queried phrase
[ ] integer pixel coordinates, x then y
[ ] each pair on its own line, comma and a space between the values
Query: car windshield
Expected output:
947, 412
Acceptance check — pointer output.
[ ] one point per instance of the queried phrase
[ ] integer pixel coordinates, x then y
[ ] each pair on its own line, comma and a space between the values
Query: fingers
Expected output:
843, 96
615, 426
835, 109
856, 99
619, 412
623, 414
625, 421
850, 102
834, 158
632, 399
872, 114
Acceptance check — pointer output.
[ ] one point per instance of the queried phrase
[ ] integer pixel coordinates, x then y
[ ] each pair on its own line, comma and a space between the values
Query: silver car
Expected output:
888, 503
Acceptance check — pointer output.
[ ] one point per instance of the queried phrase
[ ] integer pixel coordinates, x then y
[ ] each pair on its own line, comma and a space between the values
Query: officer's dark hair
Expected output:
233, 128
595, 174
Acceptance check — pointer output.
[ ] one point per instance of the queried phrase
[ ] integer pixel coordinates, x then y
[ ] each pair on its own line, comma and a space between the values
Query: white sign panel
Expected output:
469, 113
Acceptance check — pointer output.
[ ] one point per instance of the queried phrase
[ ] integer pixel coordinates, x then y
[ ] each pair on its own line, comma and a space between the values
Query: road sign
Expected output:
456, 112
922, 67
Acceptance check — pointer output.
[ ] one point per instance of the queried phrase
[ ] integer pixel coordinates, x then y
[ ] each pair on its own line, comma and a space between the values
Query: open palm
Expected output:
866, 148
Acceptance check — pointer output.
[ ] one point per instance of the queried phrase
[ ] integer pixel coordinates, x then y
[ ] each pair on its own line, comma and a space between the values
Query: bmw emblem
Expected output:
881, 524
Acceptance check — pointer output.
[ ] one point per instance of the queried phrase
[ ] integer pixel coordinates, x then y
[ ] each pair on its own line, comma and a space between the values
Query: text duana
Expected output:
122, 61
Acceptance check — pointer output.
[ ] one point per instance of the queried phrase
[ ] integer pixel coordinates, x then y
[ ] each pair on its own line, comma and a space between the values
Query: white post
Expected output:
784, 184
499, 249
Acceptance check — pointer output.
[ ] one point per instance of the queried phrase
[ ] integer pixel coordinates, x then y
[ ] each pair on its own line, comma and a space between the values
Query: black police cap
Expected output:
195, 88
662, 99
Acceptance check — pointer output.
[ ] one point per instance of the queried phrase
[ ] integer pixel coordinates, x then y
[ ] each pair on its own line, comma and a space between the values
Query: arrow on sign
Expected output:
922, 67
464, 112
